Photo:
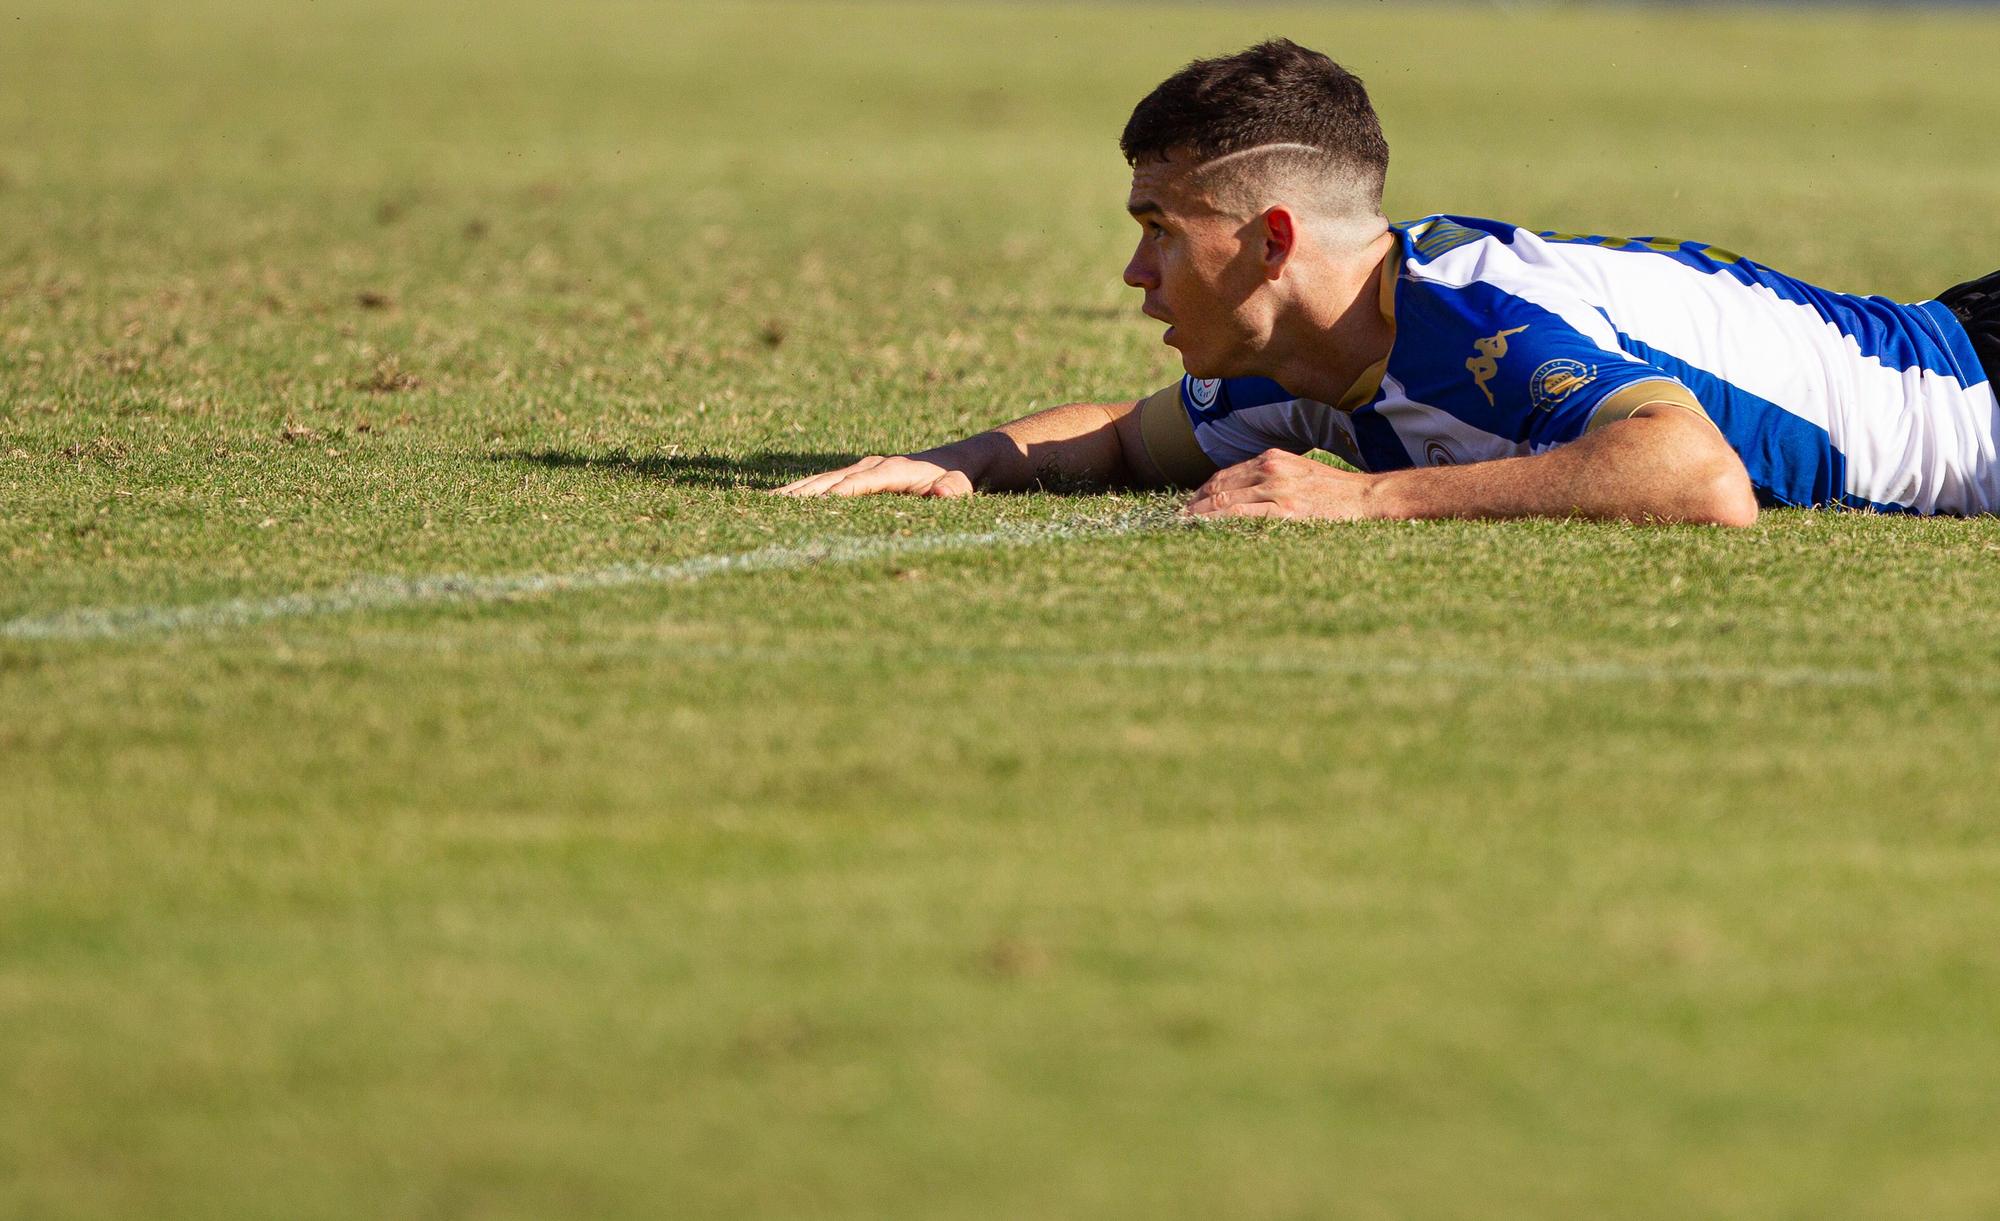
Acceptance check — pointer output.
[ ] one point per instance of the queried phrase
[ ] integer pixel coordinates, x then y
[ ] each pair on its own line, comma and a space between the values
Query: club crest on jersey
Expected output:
1202, 391
1556, 380
1486, 366
1438, 454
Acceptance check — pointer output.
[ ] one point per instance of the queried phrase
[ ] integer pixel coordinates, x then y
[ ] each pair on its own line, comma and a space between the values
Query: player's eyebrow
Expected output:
1140, 207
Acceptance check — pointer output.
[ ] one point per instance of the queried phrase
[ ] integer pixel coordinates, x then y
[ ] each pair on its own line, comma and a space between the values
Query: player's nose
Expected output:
1139, 272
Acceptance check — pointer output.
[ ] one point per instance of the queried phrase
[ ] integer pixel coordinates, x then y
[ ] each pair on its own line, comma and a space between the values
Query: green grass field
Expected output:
402, 813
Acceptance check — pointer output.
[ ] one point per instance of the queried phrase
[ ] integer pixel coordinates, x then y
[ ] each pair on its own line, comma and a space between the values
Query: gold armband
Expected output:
1169, 439
1625, 403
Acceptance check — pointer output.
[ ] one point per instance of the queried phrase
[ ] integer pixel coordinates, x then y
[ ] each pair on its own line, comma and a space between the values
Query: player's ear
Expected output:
1281, 236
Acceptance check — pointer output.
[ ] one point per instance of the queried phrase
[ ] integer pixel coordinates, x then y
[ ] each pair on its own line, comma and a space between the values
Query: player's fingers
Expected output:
1228, 502
812, 485
1205, 504
1228, 478
817, 484
802, 483
862, 483
890, 477
1250, 472
1254, 508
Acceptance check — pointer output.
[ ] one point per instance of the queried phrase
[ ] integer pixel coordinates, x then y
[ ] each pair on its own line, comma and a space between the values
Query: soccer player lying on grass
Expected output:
1472, 368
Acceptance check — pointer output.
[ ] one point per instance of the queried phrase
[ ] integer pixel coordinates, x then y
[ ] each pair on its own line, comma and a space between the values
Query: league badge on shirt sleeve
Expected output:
1202, 391
1557, 380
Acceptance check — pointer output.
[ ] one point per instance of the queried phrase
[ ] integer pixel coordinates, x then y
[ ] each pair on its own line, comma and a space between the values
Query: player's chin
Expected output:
1197, 364
1205, 364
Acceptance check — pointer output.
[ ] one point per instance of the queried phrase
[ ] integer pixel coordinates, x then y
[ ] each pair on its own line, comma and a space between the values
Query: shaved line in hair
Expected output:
1279, 146
1343, 204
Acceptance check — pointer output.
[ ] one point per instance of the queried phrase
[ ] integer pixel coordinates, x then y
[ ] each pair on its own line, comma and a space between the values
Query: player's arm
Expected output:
1095, 444
1664, 462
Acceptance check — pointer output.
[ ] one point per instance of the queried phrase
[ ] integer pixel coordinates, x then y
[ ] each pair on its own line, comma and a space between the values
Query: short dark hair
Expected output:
1276, 92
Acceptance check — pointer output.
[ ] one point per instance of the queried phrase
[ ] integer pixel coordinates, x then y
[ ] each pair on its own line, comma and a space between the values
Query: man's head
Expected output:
1254, 176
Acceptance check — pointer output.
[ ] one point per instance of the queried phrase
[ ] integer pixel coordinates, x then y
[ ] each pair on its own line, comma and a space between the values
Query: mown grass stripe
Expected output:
1245, 662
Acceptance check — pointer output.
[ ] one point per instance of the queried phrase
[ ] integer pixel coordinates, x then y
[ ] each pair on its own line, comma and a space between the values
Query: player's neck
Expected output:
1331, 341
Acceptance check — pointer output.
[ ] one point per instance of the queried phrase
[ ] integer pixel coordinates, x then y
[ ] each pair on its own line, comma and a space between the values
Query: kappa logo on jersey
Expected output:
1486, 366
1202, 391
1556, 380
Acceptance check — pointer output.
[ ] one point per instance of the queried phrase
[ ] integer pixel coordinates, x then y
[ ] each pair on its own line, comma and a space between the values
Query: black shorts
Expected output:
1977, 305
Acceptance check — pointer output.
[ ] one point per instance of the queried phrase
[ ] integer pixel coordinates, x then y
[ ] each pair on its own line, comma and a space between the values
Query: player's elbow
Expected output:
1723, 493
1714, 487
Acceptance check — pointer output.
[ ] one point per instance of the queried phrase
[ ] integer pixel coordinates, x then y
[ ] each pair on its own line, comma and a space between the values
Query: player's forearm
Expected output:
1077, 443
1665, 466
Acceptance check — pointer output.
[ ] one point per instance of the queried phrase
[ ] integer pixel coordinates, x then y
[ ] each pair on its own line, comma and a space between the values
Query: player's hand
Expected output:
1278, 484
900, 475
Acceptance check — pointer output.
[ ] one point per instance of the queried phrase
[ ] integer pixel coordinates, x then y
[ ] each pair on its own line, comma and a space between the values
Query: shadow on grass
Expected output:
769, 469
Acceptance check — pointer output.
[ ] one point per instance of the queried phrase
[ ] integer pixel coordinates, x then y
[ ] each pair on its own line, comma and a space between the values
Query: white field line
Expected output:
1000, 659
381, 593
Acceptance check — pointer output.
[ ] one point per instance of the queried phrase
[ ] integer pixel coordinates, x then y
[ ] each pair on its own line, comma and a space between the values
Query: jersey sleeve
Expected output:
1200, 425
1536, 372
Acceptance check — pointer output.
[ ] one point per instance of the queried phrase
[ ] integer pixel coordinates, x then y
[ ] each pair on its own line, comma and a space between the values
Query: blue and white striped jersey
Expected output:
1510, 342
